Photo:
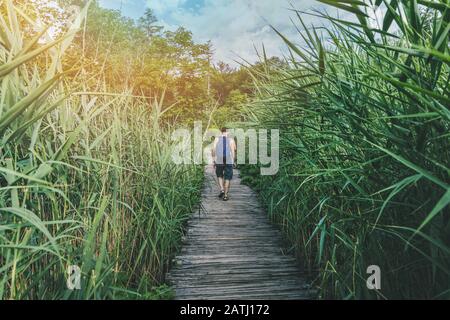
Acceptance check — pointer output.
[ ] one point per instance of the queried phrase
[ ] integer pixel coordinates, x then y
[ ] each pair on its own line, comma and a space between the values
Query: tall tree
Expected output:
148, 23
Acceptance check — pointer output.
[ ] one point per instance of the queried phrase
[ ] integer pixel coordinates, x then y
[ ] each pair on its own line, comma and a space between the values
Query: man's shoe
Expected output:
222, 193
225, 198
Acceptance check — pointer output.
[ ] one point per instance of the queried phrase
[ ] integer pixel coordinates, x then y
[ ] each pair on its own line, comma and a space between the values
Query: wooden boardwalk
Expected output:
231, 251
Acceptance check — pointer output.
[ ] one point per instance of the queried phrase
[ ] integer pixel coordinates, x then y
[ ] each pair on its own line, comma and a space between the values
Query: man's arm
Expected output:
233, 151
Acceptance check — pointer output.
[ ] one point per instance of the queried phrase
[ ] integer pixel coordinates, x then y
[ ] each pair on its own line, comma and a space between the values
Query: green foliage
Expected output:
231, 110
147, 23
365, 168
86, 177
145, 58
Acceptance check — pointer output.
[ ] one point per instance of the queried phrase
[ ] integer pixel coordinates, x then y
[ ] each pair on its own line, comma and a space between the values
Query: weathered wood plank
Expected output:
231, 251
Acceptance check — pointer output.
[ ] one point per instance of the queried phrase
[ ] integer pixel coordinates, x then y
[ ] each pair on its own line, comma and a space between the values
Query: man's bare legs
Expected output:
227, 187
221, 184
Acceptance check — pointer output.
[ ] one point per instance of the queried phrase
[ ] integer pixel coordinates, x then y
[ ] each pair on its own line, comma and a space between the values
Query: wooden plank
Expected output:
231, 251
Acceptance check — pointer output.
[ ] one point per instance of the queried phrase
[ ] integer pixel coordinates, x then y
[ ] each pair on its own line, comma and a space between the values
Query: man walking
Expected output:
224, 155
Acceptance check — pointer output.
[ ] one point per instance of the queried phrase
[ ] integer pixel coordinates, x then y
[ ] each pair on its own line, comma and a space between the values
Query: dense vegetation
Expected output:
365, 171
148, 60
86, 171
88, 101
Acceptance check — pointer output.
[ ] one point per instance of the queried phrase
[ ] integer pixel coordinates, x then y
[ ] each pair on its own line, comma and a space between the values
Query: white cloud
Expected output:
164, 6
235, 27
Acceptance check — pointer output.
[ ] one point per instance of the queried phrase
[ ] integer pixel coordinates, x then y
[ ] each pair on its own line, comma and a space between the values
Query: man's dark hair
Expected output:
223, 130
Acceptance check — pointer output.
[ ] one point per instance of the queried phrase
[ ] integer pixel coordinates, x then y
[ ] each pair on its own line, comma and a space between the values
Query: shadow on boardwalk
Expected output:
233, 252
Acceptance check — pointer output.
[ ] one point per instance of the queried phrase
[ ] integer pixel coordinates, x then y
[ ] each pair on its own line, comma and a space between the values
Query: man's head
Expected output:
224, 130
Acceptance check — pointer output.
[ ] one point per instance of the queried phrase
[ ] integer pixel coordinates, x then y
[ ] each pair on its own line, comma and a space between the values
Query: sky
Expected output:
235, 27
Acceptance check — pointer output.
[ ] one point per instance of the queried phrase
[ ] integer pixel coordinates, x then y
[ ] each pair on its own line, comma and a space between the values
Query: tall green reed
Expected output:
86, 178
364, 179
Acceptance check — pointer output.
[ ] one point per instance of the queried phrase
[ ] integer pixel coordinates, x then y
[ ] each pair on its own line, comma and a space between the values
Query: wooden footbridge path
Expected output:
232, 251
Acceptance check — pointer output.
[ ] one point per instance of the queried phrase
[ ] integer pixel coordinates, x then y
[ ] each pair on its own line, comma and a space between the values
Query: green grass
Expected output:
85, 179
365, 175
